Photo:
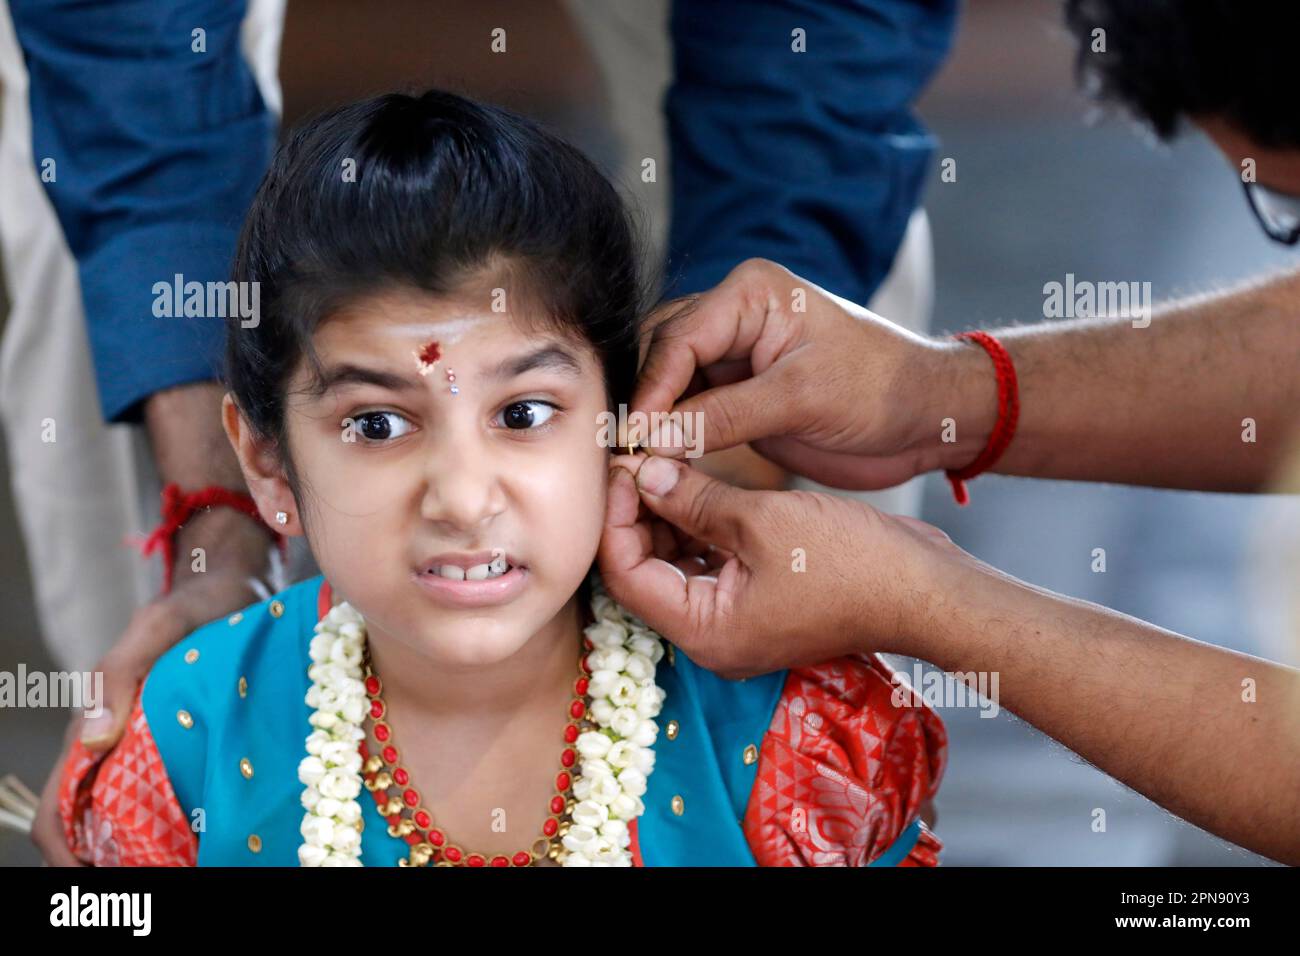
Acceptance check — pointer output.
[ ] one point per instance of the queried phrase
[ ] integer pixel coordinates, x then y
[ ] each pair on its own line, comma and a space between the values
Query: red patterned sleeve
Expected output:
843, 771
119, 809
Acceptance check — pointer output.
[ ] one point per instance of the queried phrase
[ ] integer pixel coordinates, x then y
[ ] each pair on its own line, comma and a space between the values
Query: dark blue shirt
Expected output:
157, 152
812, 159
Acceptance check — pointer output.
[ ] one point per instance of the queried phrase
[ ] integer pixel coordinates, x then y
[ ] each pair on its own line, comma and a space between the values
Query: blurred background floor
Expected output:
1039, 194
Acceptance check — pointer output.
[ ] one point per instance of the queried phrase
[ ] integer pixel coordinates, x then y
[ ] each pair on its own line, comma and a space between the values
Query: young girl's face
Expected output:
410, 487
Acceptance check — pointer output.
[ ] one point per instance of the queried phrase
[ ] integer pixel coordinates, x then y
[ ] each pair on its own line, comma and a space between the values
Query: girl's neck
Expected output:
527, 679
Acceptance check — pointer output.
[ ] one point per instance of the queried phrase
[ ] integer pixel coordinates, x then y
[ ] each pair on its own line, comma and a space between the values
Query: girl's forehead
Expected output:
398, 321
420, 329
449, 331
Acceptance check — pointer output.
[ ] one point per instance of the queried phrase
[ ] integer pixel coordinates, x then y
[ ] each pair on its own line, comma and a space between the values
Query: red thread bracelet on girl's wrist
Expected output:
178, 507
1004, 429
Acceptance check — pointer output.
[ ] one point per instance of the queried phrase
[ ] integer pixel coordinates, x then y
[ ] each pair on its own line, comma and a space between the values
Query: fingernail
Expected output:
97, 728
658, 476
667, 439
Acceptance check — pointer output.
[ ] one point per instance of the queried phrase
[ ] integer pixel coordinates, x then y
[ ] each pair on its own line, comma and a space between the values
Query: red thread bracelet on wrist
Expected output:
1004, 429
178, 507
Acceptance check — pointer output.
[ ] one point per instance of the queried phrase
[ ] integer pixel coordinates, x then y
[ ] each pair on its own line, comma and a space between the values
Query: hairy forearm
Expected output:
191, 449
1210, 734
1166, 405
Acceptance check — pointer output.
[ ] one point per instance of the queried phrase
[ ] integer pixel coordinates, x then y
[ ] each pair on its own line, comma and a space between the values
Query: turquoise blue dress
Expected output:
228, 715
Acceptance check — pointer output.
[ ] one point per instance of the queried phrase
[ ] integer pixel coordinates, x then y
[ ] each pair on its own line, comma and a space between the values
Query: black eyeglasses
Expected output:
1283, 227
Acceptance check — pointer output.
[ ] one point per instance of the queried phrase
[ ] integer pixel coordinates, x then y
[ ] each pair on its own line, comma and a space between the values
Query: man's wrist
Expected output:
223, 542
189, 444
962, 405
191, 450
948, 602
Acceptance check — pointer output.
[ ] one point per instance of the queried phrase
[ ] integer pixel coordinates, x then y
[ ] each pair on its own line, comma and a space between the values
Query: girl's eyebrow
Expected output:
348, 374
549, 357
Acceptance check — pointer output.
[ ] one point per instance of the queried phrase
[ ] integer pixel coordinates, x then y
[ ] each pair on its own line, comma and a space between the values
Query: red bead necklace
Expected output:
409, 820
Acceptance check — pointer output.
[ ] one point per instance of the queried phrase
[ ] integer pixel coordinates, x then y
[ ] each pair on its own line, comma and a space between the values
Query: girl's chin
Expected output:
460, 649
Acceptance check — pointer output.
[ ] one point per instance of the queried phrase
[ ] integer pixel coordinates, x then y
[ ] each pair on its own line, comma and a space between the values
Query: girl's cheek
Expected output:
569, 482
352, 482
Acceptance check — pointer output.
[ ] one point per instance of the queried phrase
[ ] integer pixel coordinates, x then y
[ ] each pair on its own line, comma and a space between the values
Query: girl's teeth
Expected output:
479, 572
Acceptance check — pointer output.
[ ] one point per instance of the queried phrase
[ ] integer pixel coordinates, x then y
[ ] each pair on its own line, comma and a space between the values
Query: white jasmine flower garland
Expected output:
615, 759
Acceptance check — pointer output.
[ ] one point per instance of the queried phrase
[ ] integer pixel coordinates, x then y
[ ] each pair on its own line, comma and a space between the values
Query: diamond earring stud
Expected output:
281, 517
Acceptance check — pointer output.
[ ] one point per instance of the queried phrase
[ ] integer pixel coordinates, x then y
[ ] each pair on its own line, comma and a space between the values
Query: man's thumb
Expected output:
705, 508
105, 718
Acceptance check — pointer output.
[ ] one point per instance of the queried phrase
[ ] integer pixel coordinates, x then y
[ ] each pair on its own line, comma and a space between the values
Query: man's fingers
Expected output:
665, 541
691, 567
626, 540
727, 416
717, 557
833, 469
721, 325
102, 730
725, 373
666, 375
629, 538
649, 587
667, 315
708, 510
123, 671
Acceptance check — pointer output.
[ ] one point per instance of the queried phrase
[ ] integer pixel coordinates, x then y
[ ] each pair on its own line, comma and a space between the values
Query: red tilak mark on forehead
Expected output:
428, 357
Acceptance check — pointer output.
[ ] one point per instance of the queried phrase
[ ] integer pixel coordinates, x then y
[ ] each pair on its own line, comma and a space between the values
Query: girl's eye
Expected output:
529, 414
381, 426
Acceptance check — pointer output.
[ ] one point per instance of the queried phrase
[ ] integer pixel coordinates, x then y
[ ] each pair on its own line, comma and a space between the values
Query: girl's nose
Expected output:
463, 490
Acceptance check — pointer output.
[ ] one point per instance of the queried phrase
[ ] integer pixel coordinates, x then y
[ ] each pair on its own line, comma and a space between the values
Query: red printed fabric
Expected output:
842, 771
120, 809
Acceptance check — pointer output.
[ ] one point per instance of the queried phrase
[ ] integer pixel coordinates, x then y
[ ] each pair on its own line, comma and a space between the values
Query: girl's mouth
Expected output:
477, 572
481, 580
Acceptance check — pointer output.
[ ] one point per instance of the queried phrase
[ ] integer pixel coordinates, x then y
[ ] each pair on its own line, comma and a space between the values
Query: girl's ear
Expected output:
260, 464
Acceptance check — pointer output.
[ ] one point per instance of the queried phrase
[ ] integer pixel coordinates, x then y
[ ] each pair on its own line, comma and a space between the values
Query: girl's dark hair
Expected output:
429, 193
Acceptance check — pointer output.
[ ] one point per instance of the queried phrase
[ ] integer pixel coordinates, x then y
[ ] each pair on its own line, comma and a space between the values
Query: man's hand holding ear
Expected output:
752, 581
814, 383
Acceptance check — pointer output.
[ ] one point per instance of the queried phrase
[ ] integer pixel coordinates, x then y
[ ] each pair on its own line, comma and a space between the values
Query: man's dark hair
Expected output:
1168, 60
